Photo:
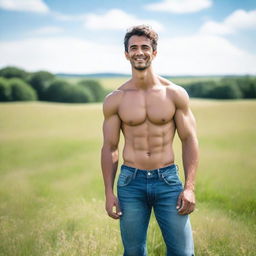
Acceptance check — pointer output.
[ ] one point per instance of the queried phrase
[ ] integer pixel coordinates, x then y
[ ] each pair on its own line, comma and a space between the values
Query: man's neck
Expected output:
144, 79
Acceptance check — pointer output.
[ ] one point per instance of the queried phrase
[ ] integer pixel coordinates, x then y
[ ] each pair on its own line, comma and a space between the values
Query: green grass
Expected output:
52, 195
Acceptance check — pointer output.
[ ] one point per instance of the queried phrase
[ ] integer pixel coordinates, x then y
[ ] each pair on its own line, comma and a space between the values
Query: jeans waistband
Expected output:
154, 171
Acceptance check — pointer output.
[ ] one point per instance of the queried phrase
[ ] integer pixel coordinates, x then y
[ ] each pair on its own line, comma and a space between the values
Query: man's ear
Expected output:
154, 53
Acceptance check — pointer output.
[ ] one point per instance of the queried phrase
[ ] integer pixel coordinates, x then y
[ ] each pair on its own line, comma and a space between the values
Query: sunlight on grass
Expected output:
52, 194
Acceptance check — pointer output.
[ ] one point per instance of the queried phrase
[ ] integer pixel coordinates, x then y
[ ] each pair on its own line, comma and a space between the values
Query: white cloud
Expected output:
47, 30
238, 20
215, 28
24, 5
196, 55
180, 6
241, 19
116, 19
63, 54
203, 55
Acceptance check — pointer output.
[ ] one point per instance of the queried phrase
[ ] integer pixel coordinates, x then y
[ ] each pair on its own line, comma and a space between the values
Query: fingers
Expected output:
187, 207
118, 210
186, 202
183, 208
112, 213
192, 208
179, 202
113, 210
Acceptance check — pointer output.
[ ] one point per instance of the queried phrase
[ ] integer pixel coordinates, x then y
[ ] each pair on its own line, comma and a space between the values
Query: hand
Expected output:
112, 202
186, 202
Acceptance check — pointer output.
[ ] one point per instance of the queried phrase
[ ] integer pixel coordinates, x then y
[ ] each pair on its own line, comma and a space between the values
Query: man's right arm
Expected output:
109, 152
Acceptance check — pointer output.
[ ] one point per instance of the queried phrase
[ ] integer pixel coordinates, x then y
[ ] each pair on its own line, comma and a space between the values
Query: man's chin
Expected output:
140, 68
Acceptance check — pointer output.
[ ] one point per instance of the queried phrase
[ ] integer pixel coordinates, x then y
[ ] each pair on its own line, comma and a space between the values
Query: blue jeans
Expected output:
140, 190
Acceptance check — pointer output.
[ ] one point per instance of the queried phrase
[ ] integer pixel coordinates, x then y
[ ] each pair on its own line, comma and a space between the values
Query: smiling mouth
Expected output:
140, 59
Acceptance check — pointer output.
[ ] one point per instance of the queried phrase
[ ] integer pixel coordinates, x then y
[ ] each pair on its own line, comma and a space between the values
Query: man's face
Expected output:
140, 52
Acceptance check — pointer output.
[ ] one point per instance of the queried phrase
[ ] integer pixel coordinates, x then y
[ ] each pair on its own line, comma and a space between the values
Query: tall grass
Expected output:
51, 189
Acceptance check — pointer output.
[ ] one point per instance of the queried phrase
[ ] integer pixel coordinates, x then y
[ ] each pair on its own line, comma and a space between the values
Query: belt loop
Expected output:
159, 174
134, 174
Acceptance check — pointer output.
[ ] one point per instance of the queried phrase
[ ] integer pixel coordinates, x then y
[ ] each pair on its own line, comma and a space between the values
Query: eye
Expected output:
133, 48
145, 47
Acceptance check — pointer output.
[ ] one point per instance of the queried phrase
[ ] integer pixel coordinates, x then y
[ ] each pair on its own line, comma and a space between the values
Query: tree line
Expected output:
19, 85
243, 87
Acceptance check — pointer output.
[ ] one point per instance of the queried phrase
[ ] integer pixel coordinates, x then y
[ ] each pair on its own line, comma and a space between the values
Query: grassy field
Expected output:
51, 189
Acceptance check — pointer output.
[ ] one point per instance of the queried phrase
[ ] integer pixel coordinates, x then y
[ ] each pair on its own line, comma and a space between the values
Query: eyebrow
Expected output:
135, 45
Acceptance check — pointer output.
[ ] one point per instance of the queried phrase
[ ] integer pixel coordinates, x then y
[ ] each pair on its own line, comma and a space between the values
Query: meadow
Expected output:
52, 194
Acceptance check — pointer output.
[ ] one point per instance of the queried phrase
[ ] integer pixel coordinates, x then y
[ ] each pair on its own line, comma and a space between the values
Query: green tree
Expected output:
95, 88
62, 91
11, 72
226, 91
201, 89
40, 81
5, 90
21, 91
247, 85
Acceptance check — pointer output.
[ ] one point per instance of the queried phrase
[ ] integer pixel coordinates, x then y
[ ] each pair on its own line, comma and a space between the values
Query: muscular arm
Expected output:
186, 128
109, 153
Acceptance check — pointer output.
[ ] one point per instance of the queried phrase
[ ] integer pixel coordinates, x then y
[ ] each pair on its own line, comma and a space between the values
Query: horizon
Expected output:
119, 74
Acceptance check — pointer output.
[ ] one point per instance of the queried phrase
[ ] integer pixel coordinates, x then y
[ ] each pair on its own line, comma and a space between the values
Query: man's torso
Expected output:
147, 122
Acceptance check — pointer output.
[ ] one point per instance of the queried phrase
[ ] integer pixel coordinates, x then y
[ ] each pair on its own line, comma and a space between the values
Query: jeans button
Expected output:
149, 173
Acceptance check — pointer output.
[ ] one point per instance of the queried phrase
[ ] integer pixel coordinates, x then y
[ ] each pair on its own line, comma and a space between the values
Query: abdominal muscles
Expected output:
148, 146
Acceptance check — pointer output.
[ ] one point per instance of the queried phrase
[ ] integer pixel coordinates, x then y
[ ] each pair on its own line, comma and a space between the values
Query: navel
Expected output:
163, 120
148, 154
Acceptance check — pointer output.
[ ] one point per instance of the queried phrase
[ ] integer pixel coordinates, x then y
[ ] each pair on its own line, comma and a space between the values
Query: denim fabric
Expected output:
141, 190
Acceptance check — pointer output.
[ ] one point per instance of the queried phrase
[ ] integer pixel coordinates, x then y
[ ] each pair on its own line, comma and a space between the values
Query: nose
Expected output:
139, 51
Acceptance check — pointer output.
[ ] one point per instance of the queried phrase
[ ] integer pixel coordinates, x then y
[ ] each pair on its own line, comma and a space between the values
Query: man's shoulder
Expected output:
112, 96
110, 104
177, 93
177, 90
171, 86
118, 93
113, 100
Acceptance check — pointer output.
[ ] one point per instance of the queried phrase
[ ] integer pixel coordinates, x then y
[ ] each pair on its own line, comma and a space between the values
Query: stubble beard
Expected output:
141, 68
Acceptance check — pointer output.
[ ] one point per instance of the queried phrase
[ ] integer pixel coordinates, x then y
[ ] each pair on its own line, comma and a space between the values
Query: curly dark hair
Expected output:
141, 30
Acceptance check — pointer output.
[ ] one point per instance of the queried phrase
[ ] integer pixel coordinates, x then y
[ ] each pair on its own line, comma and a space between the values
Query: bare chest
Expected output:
138, 107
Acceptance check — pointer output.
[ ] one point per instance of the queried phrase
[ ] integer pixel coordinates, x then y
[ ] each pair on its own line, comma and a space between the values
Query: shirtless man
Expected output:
148, 109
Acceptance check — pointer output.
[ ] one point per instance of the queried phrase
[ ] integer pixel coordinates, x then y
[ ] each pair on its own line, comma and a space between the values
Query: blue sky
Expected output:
196, 37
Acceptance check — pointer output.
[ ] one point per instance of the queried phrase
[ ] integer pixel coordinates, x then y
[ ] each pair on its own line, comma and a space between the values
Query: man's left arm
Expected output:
186, 128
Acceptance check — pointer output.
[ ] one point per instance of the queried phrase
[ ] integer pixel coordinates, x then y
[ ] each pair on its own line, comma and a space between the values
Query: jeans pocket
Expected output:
171, 178
125, 177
